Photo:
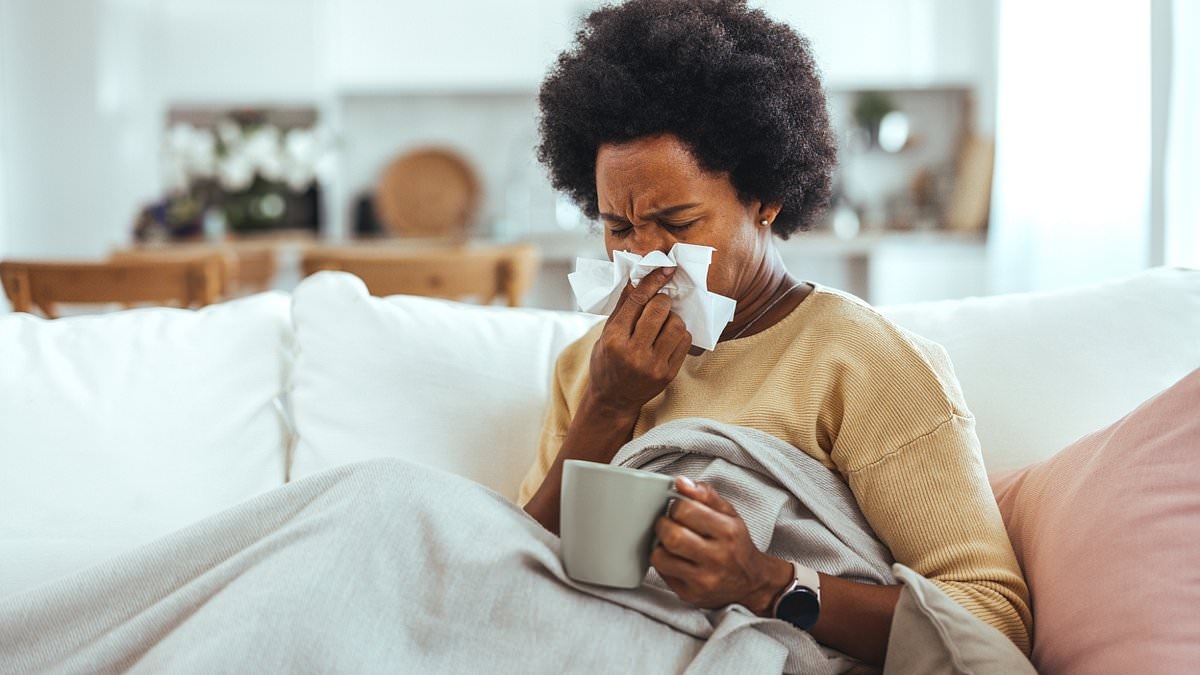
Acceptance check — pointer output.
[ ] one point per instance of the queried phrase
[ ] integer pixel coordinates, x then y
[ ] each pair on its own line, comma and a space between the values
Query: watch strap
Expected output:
802, 577
808, 578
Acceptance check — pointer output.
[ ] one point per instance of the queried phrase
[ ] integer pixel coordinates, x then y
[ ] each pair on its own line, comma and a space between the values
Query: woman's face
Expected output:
652, 194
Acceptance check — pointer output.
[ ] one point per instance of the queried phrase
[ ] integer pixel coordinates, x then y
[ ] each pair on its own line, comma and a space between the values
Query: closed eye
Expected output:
620, 229
679, 227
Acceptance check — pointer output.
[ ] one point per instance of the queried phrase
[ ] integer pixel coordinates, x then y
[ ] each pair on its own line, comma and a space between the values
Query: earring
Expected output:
764, 222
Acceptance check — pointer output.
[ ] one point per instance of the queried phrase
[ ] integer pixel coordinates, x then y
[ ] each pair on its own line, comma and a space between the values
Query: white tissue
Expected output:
597, 285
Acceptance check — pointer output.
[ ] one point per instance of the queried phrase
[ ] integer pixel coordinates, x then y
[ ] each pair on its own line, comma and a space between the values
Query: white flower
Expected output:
263, 150
178, 140
301, 146
298, 176
271, 167
229, 132
202, 155
235, 172
298, 158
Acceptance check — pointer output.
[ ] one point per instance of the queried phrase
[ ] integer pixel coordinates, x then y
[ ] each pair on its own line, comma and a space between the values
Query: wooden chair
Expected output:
190, 282
481, 272
245, 268
256, 267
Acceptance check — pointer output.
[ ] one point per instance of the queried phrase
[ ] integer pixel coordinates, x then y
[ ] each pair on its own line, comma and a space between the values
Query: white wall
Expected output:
4, 131
78, 150
239, 51
382, 44
3, 136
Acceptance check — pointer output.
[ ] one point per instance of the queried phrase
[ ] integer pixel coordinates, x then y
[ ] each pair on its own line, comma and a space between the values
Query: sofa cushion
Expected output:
126, 426
1108, 533
1039, 370
455, 386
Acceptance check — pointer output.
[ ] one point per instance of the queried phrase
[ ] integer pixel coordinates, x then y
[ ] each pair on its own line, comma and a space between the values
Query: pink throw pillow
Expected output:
1108, 533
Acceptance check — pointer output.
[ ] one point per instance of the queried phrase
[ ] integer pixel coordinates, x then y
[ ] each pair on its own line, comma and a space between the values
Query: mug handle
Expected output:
675, 494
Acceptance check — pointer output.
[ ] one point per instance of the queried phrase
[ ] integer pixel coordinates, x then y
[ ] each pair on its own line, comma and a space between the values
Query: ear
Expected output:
768, 213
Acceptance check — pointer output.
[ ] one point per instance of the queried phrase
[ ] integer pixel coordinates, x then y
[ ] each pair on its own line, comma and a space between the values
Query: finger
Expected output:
616, 313
671, 565
654, 315
674, 583
700, 519
679, 585
632, 300
682, 348
672, 330
705, 494
679, 540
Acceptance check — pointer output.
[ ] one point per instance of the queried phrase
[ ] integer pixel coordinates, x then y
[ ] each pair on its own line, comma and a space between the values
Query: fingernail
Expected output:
668, 271
687, 482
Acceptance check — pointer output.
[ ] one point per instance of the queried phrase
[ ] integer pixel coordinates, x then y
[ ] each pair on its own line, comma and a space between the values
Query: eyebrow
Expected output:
653, 215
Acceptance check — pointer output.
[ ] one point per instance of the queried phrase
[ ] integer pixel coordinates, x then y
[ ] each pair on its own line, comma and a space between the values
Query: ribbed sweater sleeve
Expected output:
931, 506
903, 439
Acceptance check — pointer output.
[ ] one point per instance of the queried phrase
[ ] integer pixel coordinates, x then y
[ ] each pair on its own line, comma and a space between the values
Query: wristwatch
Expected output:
800, 603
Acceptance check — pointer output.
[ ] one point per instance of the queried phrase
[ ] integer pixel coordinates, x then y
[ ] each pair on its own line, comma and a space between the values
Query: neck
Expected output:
765, 288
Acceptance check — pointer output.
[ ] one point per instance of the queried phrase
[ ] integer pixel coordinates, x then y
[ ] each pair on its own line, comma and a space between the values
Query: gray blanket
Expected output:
388, 566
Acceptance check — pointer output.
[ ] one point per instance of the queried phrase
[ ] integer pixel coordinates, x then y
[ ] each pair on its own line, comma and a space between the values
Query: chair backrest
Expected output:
188, 282
456, 272
246, 267
256, 267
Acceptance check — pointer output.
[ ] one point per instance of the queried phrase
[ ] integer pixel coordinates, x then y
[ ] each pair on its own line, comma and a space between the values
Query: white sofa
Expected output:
116, 429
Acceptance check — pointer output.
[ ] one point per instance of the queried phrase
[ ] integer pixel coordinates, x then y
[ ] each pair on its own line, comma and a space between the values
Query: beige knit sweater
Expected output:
871, 401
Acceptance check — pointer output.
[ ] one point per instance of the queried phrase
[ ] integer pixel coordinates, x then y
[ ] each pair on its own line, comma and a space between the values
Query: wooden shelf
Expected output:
579, 244
827, 243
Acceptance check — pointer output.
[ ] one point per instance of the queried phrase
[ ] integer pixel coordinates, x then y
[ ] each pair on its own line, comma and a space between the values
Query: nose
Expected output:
649, 238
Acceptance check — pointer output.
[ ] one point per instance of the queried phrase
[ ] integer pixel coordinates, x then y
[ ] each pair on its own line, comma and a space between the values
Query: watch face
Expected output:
800, 608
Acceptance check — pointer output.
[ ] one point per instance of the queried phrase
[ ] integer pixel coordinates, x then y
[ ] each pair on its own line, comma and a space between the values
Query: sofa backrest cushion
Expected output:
450, 385
1039, 370
1108, 534
123, 427
464, 387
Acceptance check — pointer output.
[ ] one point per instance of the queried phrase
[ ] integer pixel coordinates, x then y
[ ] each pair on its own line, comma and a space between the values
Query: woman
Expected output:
704, 122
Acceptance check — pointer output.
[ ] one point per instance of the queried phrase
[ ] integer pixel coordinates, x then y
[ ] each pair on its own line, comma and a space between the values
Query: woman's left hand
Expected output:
706, 556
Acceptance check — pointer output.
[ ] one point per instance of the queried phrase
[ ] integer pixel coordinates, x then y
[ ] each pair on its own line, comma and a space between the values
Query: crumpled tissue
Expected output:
597, 285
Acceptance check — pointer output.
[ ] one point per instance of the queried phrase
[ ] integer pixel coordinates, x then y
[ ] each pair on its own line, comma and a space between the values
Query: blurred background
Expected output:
986, 146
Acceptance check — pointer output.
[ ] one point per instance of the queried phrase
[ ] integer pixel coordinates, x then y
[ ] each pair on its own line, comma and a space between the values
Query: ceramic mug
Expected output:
606, 520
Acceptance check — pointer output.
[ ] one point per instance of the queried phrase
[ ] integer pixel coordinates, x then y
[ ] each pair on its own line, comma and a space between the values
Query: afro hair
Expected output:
739, 89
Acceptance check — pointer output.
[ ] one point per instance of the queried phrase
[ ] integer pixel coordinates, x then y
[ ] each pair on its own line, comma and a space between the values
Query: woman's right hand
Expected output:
638, 353
641, 348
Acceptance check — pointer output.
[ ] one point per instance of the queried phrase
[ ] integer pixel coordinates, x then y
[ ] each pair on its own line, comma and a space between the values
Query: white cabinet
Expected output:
863, 43
451, 45
233, 51
893, 267
389, 45
917, 270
